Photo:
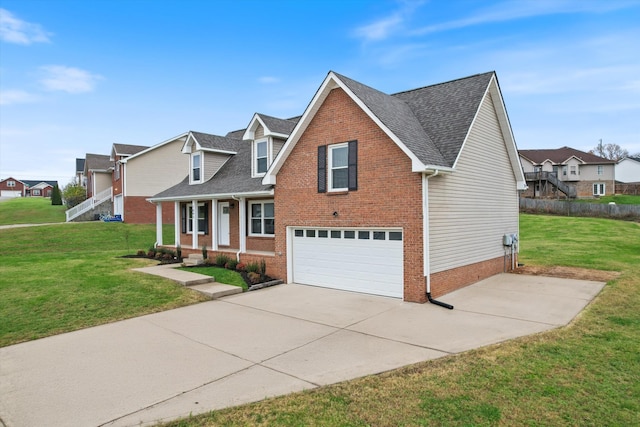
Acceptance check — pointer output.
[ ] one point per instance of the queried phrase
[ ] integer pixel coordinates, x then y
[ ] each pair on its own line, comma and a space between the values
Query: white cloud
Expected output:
14, 30
68, 79
268, 79
386, 27
16, 96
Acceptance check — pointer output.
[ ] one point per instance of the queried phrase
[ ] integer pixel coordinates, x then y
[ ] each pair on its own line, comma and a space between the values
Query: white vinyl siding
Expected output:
473, 207
156, 170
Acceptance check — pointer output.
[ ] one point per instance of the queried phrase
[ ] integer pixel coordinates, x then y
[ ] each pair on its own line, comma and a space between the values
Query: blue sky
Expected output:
77, 76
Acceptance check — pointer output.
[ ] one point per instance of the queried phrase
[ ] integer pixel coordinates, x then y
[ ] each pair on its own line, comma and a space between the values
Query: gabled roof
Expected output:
125, 150
12, 179
79, 165
561, 155
273, 126
97, 162
233, 178
154, 147
39, 184
212, 143
430, 125
635, 159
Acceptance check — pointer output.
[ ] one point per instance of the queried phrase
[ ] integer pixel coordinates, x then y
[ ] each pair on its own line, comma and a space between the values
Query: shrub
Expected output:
205, 254
263, 268
253, 277
241, 266
158, 255
167, 256
151, 254
231, 264
253, 267
179, 252
141, 253
222, 259
56, 196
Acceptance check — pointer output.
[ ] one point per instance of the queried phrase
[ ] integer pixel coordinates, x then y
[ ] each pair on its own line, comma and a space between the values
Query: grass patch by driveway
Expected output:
59, 278
222, 275
583, 374
30, 210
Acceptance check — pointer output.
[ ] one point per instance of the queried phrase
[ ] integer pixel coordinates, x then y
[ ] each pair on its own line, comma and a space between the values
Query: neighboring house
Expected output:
375, 193
119, 154
98, 170
147, 173
628, 170
11, 187
81, 178
585, 174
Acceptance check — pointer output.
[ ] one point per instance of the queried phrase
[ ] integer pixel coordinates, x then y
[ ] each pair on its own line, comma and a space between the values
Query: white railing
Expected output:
89, 204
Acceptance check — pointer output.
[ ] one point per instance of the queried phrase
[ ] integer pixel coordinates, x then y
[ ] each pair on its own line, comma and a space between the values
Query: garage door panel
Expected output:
362, 265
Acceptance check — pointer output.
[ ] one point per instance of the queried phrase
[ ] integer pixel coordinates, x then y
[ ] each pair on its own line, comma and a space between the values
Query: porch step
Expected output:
185, 278
193, 259
216, 290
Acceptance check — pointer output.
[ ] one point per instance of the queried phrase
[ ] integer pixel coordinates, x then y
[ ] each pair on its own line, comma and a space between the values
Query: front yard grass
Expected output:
222, 275
30, 210
583, 374
59, 278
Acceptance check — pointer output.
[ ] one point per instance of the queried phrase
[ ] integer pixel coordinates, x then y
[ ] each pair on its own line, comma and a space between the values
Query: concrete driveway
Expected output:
247, 347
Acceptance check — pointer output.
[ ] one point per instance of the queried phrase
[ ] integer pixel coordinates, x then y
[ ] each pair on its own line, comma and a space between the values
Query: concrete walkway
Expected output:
254, 345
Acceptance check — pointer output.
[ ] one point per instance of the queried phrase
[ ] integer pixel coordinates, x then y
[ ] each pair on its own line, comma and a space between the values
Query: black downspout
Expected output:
440, 303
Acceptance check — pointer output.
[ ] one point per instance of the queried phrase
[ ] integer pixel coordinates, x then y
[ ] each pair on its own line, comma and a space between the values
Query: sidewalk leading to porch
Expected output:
199, 282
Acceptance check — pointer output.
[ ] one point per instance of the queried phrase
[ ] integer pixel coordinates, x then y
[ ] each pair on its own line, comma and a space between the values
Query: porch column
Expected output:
159, 223
194, 224
176, 223
243, 224
214, 224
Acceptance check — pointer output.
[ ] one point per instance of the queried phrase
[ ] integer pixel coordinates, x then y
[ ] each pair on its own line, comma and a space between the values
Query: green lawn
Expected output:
30, 210
59, 278
584, 374
620, 199
222, 275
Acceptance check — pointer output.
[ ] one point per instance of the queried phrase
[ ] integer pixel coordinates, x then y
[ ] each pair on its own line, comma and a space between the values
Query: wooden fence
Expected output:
569, 208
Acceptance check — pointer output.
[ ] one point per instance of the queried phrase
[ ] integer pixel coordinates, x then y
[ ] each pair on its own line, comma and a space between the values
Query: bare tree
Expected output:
609, 151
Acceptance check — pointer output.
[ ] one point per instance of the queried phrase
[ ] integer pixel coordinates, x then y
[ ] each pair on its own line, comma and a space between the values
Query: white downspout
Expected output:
194, 224
242, 219
176, 223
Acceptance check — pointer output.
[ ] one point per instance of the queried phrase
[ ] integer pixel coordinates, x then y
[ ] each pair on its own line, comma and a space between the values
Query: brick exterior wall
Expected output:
585, 188
450, 280
388, 194
138, 211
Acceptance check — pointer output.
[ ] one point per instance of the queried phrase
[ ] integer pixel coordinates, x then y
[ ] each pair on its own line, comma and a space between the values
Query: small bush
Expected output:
241, 266
253, 277
158, 255
179, 252
231, 264
222, 259
151, 254
167, 257
263, 268
205, 254
141, 253
253, 267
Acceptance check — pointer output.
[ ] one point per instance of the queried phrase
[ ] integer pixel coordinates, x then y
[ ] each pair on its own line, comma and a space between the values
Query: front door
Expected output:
223, 223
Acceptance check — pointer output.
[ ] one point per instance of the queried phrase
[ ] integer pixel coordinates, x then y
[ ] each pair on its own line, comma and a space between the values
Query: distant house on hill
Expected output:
628, 170
11, 187
567, 172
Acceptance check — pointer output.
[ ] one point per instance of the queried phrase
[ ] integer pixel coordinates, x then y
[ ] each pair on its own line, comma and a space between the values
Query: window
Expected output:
395, 235
336, 234
598, 189
261, 159
117, 171
262, 218
338, 167
311, 233
187, 218
323, 233
299, 233
363, 235
600, 170
196, 167
35, 192
379, 235
574, 170
564, 171
348, 234
11, 183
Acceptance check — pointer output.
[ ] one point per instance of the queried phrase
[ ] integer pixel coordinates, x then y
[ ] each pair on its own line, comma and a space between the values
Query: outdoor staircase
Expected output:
552, 178
89, 204
193, 259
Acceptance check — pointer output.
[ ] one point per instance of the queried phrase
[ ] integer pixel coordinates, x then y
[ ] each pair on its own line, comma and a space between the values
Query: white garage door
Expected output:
10, 193
360, 260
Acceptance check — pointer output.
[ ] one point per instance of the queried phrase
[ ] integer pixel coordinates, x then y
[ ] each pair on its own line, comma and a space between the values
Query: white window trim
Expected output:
11, 183
254, 156
250, 216
600, 169
190, 218
330, 149
596, 189
191, 167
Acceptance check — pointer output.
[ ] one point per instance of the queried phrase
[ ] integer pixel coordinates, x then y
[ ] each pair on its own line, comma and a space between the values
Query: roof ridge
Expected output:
443, 83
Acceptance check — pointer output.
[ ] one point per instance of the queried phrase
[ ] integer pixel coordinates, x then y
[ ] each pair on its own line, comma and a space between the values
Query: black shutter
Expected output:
322, 169
183, 217
206, 218
353, 166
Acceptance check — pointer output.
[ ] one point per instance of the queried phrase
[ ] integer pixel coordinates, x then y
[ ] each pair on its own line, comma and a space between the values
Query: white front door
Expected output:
118, 205
223, 223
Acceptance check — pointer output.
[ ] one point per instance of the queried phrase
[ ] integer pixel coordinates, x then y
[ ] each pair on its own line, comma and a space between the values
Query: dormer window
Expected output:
196, 168
260, 157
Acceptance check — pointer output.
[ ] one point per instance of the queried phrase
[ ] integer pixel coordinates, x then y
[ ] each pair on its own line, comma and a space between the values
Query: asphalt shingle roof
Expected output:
128, 150
560, 155
33, 183
216, 142
283, 126
97, 162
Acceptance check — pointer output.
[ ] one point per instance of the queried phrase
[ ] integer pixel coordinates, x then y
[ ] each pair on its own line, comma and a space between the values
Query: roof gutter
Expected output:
210, 196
